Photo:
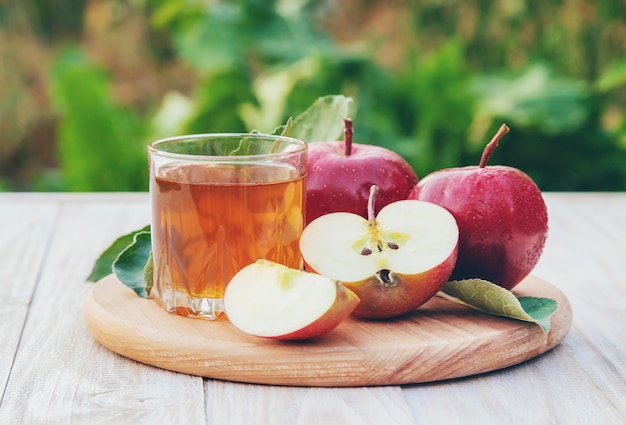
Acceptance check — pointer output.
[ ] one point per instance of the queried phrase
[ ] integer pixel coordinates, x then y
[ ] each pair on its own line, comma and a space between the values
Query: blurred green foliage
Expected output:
433, 86
101, 145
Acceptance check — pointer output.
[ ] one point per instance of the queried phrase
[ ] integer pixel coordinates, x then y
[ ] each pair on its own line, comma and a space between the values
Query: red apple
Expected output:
270, 300
340, 175
502, 217
394, 261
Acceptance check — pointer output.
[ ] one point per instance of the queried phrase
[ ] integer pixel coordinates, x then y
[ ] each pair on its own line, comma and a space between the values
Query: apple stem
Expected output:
377, 241
347, 136
491, 146
371, 213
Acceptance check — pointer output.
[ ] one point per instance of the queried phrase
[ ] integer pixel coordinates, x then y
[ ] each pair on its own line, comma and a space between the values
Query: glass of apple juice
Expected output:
219, 203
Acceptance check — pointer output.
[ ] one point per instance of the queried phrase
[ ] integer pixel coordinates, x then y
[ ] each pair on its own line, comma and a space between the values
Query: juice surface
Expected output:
210, 221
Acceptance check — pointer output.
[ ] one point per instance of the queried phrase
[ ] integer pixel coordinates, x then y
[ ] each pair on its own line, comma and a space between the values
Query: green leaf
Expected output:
104, 264
285, 129
492, 299
148, 274
322, 121
93, 129
540, 309
612, 78
536, 98
133, 264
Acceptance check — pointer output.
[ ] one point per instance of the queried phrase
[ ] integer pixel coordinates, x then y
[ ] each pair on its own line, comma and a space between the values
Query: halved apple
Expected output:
270, 300
394, 262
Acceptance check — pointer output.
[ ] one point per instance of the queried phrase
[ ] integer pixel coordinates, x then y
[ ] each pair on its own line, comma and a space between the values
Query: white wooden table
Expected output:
53, 372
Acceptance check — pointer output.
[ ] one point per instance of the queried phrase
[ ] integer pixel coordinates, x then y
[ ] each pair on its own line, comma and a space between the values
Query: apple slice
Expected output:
394, 262
270, 300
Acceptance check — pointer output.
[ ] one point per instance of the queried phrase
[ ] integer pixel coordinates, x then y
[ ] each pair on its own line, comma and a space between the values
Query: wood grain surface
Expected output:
53, 372
439, 341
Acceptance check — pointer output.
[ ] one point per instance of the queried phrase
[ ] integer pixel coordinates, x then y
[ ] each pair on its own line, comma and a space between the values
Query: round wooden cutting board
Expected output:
440, 340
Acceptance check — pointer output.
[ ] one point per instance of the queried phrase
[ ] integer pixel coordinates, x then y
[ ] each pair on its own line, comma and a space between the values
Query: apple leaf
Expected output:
536, 98
148, 274
322, 121
285, 129
134, 264
104, 264
490, 298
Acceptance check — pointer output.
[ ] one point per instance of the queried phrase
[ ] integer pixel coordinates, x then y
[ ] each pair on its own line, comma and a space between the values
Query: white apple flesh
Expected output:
270, 300
394, 262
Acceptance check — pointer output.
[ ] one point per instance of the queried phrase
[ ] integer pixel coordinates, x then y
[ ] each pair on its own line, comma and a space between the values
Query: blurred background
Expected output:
85, 85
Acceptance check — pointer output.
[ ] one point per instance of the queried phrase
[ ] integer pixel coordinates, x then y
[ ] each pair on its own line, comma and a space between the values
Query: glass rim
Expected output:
153, 146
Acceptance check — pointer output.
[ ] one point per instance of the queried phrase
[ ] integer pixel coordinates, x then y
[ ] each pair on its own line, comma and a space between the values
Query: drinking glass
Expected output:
221, 202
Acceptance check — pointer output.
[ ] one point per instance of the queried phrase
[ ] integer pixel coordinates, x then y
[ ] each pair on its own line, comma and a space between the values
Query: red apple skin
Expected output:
502, 219
344, 305
339, 182
380, 302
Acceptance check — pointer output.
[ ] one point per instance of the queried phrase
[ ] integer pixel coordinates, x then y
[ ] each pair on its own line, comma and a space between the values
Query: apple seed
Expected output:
377, 239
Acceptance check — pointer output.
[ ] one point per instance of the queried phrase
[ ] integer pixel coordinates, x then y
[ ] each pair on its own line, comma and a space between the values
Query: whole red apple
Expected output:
340, 174
502, 217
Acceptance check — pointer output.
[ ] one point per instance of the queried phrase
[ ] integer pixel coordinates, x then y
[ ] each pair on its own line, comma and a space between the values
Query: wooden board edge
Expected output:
162, 357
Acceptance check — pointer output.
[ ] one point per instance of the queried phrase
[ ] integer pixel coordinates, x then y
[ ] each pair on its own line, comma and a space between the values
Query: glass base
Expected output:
183, 305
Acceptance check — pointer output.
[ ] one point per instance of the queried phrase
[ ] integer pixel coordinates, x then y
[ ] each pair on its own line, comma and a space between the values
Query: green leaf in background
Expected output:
102, 144
536, 98
613, 78
133, 264
436, 106
490, 298
322, 121
215, 102
104, 264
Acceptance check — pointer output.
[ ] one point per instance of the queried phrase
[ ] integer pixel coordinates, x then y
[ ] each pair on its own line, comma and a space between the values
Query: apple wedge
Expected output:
270, 300
394, 262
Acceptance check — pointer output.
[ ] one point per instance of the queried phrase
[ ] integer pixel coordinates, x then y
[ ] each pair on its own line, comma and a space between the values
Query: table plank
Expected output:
25, 234
548, 390
273, 405
12, 318
60, 374
584, 257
